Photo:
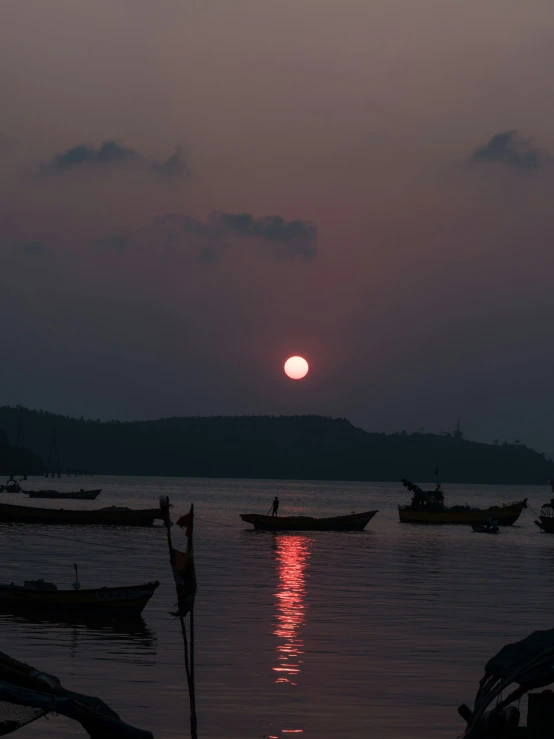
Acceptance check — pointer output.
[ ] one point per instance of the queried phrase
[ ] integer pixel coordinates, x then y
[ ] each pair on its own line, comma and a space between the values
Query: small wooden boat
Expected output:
10, 487
38, 597
428, 507
27, 694
486, 528
112, 516
81, 495
353, 522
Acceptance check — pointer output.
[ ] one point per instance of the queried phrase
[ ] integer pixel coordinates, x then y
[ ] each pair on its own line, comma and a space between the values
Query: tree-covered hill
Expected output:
294, 447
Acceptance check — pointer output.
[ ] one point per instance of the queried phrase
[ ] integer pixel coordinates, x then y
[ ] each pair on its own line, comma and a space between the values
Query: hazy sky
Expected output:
193, 190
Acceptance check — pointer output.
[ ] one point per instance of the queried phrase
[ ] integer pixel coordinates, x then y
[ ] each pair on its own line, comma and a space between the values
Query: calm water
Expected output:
374, 634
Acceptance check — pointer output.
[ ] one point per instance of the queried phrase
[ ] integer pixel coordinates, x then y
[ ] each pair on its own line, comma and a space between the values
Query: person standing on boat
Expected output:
275, 506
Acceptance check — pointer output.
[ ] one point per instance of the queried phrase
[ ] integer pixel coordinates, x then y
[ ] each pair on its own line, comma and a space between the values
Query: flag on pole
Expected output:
184, 574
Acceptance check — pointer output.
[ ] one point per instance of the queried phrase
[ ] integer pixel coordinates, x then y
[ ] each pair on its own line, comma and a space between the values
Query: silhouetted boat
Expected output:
516, 669
81, 495
26, 694
546, 522
485, 528
38, 597
10, 487
428, 507
112, 516
353, 522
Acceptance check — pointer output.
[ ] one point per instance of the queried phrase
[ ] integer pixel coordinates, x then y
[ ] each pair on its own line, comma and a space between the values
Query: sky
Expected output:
192, 191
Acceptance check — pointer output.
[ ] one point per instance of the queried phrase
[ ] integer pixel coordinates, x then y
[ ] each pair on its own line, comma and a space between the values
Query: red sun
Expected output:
296, 368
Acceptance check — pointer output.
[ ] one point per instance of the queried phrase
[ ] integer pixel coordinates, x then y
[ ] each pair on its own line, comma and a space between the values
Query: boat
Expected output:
546, 518
27, 694
353, 522
428, 507
81, 495
516, 669
11, 487
39, 597
490, 527
112, 516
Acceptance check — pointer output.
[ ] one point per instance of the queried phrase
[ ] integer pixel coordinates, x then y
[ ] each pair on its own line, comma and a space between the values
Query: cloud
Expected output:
33, 248
295, 239
111, 155
510, 149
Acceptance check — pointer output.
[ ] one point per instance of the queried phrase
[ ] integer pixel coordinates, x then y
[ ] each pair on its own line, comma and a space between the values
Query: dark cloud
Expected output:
287, 239
33, 248
111, 155
510, 149
295, 238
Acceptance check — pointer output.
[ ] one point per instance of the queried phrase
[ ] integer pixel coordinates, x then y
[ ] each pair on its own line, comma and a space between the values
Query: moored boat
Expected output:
112, 516
38, 597
490, 527
353, 522
428, 507
55, 494
546, 518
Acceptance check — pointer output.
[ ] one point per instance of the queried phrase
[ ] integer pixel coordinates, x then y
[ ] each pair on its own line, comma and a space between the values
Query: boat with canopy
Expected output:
427, 506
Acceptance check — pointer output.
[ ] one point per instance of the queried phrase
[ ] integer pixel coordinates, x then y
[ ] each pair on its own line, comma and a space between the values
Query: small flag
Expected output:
184, 522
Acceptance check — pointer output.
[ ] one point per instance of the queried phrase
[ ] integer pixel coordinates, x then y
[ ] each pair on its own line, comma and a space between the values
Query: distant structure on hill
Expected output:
279, 447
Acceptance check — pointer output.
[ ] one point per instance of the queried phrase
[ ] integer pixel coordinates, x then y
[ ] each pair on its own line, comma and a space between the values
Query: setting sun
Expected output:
296, 368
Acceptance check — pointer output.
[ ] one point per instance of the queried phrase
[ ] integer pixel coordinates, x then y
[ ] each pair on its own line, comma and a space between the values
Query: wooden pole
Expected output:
192, 686
189, 666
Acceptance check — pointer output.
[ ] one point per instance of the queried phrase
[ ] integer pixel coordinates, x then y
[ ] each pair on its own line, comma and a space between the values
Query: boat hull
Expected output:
103, 516
546, 524
504, 515
353, 522
128, 601
54, 494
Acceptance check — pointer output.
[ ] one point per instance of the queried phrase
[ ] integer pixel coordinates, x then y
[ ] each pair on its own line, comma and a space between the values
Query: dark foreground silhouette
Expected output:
280, 447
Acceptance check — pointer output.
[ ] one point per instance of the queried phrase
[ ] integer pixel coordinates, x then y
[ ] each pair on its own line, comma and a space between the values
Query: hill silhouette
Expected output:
280, 447
18, 460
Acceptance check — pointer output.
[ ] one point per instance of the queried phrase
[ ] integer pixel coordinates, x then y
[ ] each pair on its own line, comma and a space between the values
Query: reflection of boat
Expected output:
112, 516
517, 668
26, 694
353, 522
133, 631
427, 506
292, 554
39, 597
81, 495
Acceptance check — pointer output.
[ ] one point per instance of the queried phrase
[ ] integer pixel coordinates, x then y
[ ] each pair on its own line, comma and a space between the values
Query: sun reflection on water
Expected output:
292, 554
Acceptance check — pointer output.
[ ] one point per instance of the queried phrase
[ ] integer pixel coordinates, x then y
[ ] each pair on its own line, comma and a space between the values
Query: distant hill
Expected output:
285, 447
16, 460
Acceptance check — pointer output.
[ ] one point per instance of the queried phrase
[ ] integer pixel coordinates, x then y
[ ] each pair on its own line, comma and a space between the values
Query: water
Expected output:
381, 633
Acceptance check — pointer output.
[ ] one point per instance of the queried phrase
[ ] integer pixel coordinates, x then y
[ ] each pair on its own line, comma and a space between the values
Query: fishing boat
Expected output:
428, 507
516, 669
27, 694
80, 495
353, 522
112, 516
39, 597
